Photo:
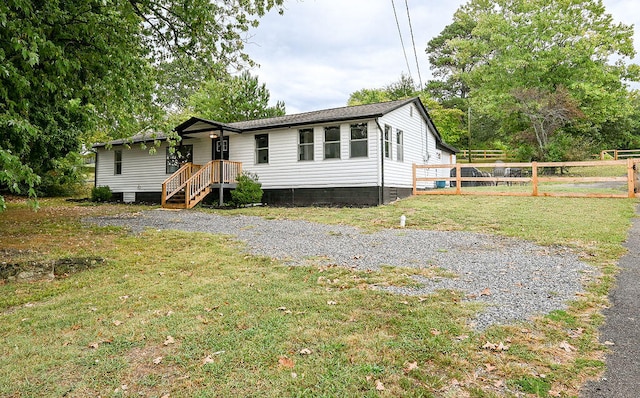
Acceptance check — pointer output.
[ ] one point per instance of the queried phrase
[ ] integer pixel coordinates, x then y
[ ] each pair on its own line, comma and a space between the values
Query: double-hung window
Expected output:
358, 146
399, 145
178, 156
117, 161
262, 148
387, 141
305, 145
332, 142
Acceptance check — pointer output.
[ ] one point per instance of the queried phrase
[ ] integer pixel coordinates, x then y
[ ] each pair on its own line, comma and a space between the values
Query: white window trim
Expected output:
307, 144
257, 150
325, 142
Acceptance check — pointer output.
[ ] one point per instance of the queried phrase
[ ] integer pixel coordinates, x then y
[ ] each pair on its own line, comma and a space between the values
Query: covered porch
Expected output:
193, 182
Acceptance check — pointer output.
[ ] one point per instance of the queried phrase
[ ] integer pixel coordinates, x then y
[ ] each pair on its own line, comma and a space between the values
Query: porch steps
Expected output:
192, 183
176, 201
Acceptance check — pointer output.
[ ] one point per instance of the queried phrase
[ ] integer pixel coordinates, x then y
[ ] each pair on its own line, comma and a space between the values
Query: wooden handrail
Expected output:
196, 180
177, 181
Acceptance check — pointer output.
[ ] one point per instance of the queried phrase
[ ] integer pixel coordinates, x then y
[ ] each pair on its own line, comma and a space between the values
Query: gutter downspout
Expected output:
381, 190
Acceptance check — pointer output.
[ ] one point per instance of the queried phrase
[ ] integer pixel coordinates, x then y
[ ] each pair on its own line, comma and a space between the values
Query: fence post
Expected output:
415, 190
458, 182
631, 180
534, 178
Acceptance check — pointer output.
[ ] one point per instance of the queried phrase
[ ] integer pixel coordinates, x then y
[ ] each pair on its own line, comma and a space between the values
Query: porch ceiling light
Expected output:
213, 135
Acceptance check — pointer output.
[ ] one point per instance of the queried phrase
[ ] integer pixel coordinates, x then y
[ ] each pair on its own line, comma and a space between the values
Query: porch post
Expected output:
221, 188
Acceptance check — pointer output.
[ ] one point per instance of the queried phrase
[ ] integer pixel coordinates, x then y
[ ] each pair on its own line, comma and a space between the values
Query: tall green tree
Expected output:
73, 69
542, 47
234, 99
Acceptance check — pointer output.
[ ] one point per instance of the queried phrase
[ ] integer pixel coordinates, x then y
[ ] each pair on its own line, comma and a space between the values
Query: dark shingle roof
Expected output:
357, 112
136, 139
323, 116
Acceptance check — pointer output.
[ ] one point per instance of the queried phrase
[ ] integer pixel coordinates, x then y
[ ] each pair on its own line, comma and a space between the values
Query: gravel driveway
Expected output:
522, 279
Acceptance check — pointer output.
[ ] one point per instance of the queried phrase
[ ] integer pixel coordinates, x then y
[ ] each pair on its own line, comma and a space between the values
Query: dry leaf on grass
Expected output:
567, 347
410, 366
379, 385
207, 360
496, 347
489, 367
117, 322
330, 302
486, 292
169, 340
305, 351
435, 332
157, 360
94, 345
286, 362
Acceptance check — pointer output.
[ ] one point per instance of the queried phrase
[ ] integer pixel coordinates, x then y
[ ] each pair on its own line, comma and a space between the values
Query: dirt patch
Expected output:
27, 271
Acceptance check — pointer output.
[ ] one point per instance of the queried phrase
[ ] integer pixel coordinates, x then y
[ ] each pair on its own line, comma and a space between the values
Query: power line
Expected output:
415, 53
401, 40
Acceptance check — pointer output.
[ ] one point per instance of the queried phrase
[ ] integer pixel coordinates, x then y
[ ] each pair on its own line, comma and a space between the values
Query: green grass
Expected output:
250, 326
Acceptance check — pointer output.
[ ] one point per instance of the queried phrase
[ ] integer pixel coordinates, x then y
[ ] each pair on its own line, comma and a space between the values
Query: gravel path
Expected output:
514, 278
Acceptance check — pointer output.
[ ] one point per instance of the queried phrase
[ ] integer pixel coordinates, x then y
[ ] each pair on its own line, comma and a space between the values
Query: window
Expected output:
179, 156
399, 145
262, 148
332, 142
387, 141
117, 161
305, 147
358, 146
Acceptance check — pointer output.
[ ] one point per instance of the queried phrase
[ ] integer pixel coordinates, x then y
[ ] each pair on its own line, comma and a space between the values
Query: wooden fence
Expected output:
618, 154
462, 176
483, 154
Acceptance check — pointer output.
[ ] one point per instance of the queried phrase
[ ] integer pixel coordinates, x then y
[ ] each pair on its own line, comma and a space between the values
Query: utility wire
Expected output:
401, 40
415, 53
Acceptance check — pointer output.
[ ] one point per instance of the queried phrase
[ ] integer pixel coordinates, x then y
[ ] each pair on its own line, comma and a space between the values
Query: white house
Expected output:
356, 155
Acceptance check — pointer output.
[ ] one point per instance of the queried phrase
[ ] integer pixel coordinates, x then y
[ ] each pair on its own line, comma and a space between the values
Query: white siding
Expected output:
284, 170
142, 171
419, 144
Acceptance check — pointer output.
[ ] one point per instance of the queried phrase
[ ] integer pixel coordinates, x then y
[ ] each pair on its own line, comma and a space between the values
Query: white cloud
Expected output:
320, 51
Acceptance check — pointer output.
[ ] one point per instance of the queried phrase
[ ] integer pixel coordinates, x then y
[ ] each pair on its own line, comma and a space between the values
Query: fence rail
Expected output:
484, 154
465, 175
618, 154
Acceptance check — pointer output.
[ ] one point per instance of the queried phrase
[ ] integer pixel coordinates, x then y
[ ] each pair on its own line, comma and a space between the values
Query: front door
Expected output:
220, 149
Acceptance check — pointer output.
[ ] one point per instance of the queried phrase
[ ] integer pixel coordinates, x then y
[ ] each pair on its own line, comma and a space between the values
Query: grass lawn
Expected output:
190, 315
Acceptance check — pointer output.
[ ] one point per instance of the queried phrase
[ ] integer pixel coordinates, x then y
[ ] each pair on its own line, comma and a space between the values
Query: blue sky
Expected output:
320, 51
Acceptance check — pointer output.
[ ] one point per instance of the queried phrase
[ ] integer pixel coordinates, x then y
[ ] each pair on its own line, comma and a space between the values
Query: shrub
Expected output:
248, 190
66, 177
101, 194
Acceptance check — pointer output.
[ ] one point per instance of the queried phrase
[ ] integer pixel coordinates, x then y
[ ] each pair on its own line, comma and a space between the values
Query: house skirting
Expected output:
140, 197
339, 196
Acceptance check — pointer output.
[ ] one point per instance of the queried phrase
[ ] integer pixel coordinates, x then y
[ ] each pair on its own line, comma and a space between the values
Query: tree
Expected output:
546, 112
234, 99
451, 64
368, 96
75, 69
543, 45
